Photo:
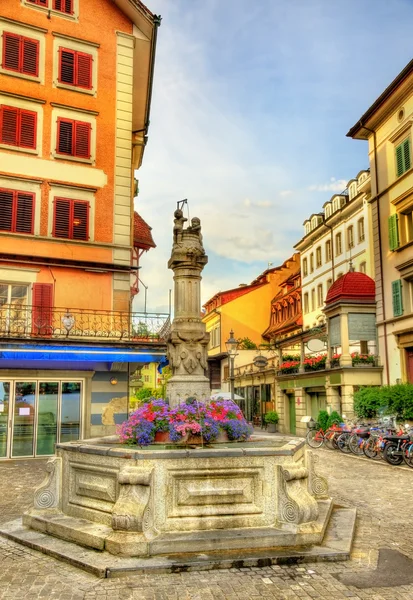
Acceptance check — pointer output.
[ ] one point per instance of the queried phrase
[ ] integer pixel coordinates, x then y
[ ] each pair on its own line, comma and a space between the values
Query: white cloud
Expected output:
285, 193
334, 185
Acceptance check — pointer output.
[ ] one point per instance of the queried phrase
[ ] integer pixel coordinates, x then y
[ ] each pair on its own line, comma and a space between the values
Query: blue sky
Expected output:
251, 105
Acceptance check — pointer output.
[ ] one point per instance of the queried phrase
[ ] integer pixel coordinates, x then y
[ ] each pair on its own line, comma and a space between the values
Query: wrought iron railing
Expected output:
62, 323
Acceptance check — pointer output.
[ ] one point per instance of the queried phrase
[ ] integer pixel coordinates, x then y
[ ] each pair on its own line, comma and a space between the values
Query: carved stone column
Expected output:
188, 341
49, 493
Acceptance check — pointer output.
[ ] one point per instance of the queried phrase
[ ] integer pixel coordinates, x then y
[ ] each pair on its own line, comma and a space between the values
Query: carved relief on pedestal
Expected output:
48, 494
131, 511
317, 485
295, 504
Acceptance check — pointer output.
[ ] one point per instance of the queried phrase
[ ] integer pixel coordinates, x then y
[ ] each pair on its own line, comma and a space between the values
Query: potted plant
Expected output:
271, 419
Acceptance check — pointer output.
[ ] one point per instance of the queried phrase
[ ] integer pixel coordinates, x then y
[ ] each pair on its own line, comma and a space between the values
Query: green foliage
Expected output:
146, 392
389, 399
322, 419
367, 402
291, 357
271, 417
334, 419
246, 344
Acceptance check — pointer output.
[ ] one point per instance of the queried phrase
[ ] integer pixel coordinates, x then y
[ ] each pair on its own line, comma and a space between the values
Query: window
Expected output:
318, 256
63, 6
13, 299
73, 138
16, 211
339, 248
18, 127
327, 211
311, 262
146, 378
75, 68
320, 297
306, 303
328, 250
71, 219
362, 267
403, 157
350, 237
360, 227
307, 228
397, 298
305, 267
313, 299
20, 54
393, 225
329, 284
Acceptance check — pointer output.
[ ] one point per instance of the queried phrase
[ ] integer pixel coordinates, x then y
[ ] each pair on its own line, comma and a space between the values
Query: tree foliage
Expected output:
369, 402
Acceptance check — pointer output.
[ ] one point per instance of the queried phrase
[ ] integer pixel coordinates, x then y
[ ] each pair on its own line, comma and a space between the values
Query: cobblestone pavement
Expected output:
382, 495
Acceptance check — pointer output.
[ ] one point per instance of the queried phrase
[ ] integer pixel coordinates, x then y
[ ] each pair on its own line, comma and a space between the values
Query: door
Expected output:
37, 414
409, 364
291, 407
318, 401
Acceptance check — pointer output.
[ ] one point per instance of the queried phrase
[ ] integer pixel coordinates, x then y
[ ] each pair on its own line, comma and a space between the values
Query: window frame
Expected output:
360, 230
305, 267
318, 257
76, 55
350, 237
7, 34
320, 297
306, 303
339, 243
312, 262
50, 6
75, 124
15, 206
328, 253
72, 205
20, 112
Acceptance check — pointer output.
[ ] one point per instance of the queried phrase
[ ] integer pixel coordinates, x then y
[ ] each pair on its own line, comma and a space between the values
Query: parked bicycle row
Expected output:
384, 440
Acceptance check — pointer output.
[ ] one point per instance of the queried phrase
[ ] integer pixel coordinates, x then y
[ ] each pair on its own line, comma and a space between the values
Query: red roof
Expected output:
352, 286
142, 236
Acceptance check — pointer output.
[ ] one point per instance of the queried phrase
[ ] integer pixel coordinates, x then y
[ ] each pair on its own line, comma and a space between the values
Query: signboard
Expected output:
316, 345
362, 327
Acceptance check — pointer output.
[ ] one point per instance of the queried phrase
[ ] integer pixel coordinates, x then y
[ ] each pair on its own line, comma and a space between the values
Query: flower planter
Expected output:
162, 437
272, 427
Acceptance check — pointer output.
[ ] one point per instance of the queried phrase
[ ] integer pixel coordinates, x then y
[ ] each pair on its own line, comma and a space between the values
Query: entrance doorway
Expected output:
291, 412
318, 401
409, 364
36, 414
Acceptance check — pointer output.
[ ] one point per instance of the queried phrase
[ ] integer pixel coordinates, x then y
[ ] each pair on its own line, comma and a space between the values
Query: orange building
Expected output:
75, 91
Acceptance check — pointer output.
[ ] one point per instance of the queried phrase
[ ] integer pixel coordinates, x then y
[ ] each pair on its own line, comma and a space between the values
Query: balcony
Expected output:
23, 322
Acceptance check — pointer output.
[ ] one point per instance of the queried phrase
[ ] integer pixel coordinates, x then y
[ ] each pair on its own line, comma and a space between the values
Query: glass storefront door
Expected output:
37, 414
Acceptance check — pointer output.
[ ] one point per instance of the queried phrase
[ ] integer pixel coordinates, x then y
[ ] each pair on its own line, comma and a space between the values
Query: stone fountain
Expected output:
110, 508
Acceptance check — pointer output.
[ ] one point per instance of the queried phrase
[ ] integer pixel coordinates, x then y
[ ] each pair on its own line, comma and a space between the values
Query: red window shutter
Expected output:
28, 129
67, 66
39, 2
42, 309
30, 57
62, 218
65, 6
9, 120
6, 210
80, 220
11, 51
82, 139
24, 213
65, 136
84, 70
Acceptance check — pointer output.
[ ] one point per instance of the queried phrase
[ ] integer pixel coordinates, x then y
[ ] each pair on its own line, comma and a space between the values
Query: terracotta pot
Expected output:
161, 437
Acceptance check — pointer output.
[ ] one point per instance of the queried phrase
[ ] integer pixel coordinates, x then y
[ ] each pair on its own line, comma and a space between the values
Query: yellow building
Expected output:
387, 126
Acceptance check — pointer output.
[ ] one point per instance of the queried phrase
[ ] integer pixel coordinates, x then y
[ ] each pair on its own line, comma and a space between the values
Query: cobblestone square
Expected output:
381, 494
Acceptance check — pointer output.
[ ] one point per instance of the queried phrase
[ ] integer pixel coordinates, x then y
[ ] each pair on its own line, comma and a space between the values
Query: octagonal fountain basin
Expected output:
264, 493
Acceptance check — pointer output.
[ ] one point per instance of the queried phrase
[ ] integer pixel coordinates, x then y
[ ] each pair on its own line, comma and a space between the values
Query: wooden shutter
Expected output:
397, 298
65, 136
84, 70
80, 221
65, 6
393, 226
24, 213
406, 154
67, 66
42, 309
11, 51
82, 139
30, 57
403, 157
6, 210
9, 118
28, 129
39, 2
61, 218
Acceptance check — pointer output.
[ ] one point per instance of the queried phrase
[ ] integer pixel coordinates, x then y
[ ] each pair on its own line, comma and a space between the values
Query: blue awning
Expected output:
79, 353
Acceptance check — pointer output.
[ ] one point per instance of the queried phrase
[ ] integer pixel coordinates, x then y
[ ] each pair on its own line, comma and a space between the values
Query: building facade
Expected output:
387, 127
76, 81
332, 239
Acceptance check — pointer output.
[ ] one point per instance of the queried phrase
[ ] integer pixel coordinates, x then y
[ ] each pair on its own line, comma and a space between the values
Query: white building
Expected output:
332, 239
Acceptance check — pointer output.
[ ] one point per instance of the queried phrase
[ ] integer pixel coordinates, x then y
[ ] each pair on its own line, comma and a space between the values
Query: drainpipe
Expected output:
157, 22
376, 177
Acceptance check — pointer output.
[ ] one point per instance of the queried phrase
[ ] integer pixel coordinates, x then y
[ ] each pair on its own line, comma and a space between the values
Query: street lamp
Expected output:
232, 347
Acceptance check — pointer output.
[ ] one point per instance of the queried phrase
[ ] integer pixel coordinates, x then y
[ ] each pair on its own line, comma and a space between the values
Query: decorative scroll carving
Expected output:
135, 488
317, 485
48, 494
295, 505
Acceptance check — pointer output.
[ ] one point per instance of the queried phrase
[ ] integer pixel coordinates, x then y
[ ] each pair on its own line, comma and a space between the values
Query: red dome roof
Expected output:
352, 286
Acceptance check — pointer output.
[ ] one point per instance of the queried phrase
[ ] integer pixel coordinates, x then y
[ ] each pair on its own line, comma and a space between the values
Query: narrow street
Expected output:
381, 493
